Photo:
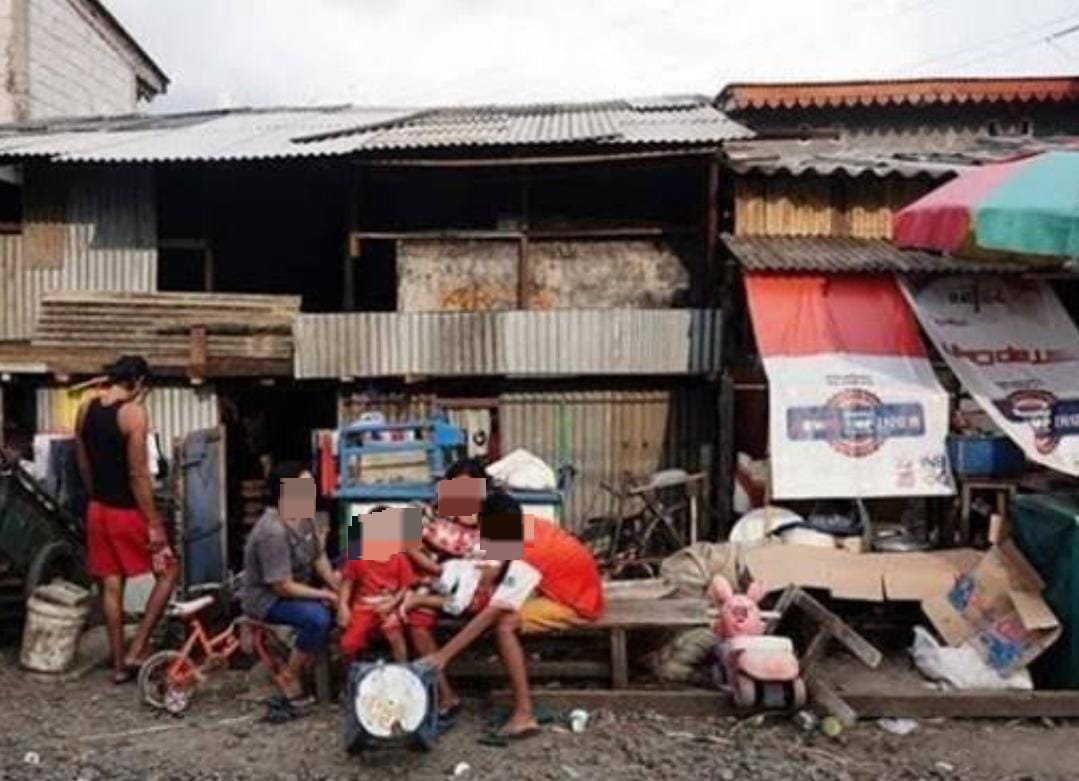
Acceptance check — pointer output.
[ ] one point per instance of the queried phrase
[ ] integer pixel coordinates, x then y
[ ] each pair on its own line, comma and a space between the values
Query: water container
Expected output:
52, 630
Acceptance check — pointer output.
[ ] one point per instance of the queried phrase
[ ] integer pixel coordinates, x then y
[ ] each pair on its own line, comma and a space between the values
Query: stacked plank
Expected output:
200, 334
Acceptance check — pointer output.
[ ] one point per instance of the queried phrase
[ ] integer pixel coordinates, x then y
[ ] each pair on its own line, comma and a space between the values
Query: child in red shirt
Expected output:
370, 594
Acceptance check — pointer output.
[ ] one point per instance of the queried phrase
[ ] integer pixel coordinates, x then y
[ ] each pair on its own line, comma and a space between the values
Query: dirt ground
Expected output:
92, 730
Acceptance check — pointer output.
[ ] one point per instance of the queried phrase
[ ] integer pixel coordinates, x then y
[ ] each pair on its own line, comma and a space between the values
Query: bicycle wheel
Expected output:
598, 537
159, 689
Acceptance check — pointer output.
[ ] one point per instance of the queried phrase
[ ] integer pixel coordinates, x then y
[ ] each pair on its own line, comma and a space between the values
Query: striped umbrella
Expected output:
1025, 207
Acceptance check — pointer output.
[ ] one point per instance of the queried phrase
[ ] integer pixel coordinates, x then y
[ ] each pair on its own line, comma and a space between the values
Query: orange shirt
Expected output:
567, 568
377, 577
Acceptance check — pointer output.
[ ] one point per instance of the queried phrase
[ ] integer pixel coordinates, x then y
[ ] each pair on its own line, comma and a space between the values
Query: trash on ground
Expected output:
898, 726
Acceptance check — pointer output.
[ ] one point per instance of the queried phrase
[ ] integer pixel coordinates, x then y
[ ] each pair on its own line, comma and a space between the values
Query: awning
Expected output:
856, 410
1014, 347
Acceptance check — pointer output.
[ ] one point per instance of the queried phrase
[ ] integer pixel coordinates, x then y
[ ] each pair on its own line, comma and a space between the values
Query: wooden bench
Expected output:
620, 617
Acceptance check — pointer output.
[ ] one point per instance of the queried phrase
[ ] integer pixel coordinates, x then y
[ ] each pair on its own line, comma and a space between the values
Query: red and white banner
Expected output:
855, 408
1013, 346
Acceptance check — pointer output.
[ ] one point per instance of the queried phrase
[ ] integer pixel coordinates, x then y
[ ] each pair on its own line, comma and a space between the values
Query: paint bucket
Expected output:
51, 634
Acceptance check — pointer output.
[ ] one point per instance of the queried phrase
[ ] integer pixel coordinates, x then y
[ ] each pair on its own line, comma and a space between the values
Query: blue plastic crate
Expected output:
985, 456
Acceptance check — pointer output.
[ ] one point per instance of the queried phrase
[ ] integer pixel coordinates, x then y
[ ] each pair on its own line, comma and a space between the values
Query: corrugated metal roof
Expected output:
898, 92
927, 154
837, 255
513, 343
248, 134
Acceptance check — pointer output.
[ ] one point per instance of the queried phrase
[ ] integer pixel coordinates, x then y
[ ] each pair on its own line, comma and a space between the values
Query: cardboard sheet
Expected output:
872, 577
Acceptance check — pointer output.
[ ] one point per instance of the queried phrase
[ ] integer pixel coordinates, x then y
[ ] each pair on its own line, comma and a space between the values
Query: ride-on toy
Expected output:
758, 670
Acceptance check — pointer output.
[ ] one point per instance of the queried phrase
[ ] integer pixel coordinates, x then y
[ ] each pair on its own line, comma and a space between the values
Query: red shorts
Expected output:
365, 621
117, 541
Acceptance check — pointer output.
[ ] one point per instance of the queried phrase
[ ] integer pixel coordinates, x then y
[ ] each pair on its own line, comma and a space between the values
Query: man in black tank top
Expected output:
125, 533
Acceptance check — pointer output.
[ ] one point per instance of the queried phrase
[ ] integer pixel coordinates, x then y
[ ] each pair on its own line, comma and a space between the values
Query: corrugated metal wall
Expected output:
174, 411
518, 343
603, 434
606, 434
109, 242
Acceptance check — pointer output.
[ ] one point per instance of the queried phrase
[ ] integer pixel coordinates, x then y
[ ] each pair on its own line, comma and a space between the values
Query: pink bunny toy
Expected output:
757, 669
739, 614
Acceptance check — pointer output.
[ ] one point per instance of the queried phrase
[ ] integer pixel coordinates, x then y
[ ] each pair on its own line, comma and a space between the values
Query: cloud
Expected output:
428, 52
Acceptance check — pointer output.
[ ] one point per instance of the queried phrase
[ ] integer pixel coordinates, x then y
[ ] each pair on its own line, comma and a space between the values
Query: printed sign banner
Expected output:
855, 408
1013, 346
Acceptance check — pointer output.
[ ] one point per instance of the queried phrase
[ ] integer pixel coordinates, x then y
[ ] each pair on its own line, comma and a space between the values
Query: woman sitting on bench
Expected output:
545, 580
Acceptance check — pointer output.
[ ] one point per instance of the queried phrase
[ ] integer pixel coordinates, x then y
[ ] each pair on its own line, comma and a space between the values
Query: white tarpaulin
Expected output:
855, 409
1016, 350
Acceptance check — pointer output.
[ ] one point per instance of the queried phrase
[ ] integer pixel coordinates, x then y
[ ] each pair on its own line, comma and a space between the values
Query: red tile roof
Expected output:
908, 92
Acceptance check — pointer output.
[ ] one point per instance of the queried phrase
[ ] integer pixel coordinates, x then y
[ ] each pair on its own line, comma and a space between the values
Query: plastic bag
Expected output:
962, 667
523, 471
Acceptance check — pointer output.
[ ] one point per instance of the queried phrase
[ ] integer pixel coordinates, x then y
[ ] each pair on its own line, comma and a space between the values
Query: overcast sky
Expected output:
428, 52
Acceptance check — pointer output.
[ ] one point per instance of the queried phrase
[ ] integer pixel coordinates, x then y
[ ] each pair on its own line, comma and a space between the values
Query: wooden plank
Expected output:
854, 642
825, 698
652, 613
915, 704
700, 703
572, 669
965, 705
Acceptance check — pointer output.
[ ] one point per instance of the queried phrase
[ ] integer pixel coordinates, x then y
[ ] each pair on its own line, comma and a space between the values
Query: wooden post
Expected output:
208, 267
352, 247
709, 277
196, 366
725, 469
619, 659
524, 268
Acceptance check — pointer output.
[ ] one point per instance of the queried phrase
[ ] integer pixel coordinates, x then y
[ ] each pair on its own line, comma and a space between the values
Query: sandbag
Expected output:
685, 658
692, 568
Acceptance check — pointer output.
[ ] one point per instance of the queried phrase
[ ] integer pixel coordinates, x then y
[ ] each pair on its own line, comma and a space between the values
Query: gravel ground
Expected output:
92, 730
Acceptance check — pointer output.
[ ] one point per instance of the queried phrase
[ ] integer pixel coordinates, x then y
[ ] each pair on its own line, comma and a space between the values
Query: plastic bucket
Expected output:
51, 635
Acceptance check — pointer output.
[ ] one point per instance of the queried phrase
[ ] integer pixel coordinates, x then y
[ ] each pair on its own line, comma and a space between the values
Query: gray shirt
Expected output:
274, 552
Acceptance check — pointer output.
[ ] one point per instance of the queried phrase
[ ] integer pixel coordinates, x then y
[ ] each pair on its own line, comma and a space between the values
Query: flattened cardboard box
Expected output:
998, 607
872, 577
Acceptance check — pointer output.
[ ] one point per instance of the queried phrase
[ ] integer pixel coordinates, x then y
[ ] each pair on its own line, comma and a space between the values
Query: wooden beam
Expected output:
502, 162
524, 267
710, 279
196, 366
965, 705
183, 243
353, 245
626, 232
699, 703
914, 704
725, 477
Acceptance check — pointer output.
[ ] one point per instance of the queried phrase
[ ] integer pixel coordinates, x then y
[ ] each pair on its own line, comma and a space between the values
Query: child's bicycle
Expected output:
169, 679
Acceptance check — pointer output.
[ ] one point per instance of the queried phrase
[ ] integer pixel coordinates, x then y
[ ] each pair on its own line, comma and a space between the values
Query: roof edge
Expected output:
148, 71
741, 96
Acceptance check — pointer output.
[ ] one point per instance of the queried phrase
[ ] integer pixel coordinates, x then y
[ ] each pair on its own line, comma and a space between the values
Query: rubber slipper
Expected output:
127, 675
523, 734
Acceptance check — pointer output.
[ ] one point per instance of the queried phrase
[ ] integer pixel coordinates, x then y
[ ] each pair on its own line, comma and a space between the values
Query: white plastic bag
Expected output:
962, 667
522, 471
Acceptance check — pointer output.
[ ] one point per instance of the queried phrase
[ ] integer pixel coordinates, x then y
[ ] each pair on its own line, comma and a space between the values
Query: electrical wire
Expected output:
940, 58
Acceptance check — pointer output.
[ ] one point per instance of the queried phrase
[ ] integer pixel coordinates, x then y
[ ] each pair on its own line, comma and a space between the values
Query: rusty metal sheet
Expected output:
515, 343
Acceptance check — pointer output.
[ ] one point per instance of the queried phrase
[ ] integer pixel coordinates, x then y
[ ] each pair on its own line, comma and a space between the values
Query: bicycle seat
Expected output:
190, 607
